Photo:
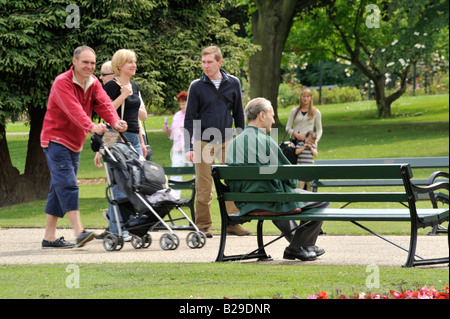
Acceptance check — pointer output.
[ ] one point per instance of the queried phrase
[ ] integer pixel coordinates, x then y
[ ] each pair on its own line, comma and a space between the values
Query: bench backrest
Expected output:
310, 172
415, 162
186, 170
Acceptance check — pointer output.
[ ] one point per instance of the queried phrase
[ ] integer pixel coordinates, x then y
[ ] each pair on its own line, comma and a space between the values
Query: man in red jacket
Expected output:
73, 97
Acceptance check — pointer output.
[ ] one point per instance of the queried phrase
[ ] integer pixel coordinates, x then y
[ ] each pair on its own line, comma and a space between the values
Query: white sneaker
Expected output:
126, 236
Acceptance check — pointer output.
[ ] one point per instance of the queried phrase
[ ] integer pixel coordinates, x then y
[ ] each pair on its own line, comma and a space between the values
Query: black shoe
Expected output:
84, 237
300, 253
207, 232
102, 235
315, 249
59, 243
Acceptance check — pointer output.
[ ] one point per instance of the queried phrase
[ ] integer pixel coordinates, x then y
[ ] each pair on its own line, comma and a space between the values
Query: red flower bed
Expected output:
424, 293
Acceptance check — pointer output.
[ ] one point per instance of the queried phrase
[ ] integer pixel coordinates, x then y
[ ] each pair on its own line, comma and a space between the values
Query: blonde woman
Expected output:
125, 97
304, 118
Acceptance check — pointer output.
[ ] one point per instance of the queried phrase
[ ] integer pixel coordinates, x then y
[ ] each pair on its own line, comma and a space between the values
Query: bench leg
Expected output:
223, 240
438, 229
259, 253
412, 246
411, 261
260, 236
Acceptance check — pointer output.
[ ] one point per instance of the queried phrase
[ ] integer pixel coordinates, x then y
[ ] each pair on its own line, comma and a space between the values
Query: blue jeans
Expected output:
63, 165
133, 138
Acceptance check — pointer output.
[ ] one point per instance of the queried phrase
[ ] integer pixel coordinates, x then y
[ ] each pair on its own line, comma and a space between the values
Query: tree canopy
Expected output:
37, 39
383, 39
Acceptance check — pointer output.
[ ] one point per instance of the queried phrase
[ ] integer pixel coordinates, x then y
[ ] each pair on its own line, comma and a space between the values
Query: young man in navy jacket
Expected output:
214, 102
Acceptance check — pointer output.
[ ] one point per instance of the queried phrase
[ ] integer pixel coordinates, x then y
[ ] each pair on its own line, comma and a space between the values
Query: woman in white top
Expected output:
304, 118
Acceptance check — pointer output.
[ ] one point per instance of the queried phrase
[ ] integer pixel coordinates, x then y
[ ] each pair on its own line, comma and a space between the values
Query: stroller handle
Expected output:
126, 141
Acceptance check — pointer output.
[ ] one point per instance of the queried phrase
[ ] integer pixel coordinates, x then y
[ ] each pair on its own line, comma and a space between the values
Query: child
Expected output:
176, 133
306, 151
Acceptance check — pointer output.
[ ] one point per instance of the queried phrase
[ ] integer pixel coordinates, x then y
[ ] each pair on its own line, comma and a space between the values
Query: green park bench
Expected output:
418, 218
414, 162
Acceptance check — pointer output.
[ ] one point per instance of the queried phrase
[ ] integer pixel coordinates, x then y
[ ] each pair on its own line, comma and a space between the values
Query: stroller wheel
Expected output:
196, 240
119, 243
169, 241
136, 242
110, 242
146, 241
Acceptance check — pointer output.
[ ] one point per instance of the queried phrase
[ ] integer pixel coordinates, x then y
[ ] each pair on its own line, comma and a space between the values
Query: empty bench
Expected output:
418, 218
415, 163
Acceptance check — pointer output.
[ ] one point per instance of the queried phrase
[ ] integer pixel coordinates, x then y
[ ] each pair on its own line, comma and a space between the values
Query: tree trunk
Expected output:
9, 175
36, 169
383, 105
34, 183
271, 25
384, 102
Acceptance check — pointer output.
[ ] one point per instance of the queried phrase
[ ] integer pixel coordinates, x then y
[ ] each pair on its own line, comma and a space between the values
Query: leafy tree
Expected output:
270, 24
383, 39
37, 39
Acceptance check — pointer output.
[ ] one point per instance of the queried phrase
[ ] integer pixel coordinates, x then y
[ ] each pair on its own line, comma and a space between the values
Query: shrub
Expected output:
289, 95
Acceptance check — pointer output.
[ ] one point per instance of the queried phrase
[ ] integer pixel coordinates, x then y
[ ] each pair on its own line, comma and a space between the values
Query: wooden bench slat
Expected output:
310, 172
186, 170
370, 214
314, 197
367, 183
415, 162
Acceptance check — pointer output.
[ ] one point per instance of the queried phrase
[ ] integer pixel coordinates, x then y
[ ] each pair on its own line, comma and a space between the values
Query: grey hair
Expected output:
77, 51
256, 106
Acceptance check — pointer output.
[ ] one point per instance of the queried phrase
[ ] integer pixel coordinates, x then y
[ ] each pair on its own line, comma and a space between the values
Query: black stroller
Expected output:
148, 198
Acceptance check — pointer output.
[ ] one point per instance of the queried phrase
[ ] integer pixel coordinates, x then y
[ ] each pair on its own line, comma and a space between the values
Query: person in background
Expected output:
304, 118
214, 103
74, 95
106, 72
306, 151
176, 133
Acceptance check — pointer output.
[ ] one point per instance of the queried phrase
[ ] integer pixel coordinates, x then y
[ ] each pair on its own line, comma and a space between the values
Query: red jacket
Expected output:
69, 109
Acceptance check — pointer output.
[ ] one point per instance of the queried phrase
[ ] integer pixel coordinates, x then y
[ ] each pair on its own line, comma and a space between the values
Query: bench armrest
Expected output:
431, 188
432, 178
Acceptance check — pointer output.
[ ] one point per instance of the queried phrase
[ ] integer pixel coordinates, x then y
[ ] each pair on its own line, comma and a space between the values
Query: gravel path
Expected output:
23, 246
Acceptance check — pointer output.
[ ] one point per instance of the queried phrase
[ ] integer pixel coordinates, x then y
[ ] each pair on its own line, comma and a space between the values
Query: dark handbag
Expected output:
148, 177
288, 149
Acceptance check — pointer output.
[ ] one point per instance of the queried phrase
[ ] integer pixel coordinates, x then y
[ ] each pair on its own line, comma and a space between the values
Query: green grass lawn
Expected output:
419, 128
207, 281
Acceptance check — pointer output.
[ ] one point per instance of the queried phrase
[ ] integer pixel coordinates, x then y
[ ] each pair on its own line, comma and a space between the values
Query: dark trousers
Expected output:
308, 233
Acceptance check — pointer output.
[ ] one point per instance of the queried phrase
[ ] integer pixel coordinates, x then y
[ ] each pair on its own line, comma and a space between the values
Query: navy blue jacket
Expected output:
209, 114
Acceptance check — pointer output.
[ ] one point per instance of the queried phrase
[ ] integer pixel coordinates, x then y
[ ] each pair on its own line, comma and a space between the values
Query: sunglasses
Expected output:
106, 74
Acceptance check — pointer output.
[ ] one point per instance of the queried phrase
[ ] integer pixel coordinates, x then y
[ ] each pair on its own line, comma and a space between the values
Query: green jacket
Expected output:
253, 147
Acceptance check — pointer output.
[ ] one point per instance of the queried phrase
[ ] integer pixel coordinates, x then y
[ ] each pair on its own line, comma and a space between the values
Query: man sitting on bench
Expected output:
255, 147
